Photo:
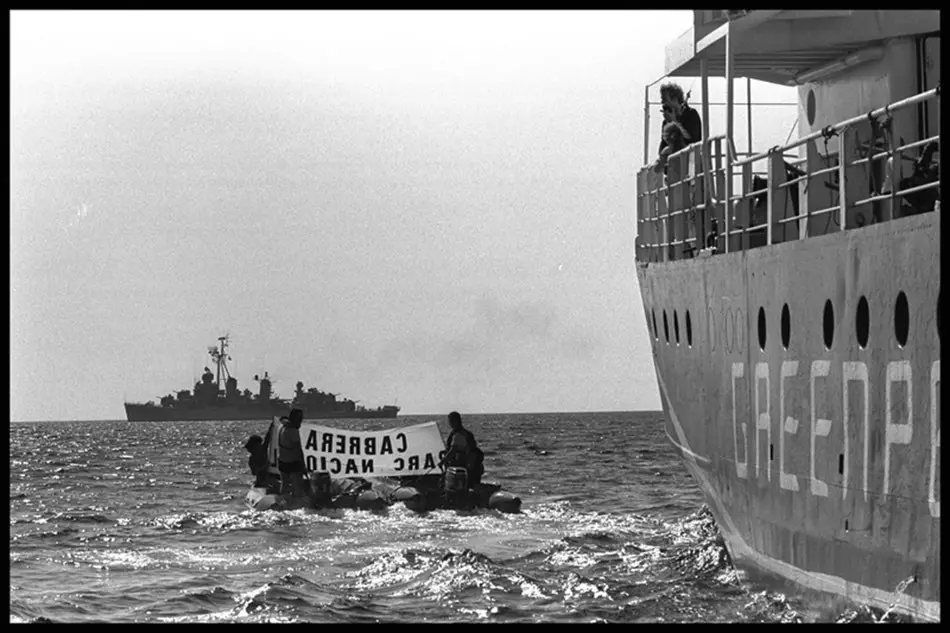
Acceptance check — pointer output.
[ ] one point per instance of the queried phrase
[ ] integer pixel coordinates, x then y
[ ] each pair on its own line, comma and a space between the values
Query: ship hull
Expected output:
804, 400
151, 413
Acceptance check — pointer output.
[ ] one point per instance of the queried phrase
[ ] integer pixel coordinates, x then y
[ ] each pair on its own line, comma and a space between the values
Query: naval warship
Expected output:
209, 402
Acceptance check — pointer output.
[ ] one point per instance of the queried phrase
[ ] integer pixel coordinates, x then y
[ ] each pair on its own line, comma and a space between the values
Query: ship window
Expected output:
676, 327
762, 328
939, 305
862, 322
840, 463
689, 330
828, 324
810, 107
786, 326
901, 319
771, 452
666, 327
656, 332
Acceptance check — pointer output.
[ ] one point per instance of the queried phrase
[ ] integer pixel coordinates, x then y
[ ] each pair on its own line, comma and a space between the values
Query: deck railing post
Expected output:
842, 181
720, 179
662, 212
654, 216
646, 125
774, 172
896, 168
682, 202
641, 223
745, 207
810, 192
729, 112
698, 196
704, 152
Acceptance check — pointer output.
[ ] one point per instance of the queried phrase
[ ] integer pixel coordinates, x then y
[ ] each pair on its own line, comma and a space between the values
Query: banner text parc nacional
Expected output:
411, 450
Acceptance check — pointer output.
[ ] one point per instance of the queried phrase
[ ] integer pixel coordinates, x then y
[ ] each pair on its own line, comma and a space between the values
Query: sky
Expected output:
432, 209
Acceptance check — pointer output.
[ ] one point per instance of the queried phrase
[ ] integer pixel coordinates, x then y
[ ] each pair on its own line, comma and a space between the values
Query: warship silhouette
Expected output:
209, 402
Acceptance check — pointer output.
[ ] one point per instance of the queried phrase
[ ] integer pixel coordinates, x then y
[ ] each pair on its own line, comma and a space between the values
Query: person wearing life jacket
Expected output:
290, 460
461, 450
257, 461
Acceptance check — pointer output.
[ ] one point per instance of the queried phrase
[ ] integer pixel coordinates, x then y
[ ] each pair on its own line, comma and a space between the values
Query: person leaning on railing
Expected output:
674, 137
675, 109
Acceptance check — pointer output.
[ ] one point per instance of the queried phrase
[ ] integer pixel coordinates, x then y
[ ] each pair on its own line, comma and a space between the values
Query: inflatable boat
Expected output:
371, 470
419, 494
353, 492
432, 492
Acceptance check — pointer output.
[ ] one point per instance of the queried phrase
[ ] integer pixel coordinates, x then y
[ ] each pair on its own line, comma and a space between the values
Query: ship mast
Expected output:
220, 358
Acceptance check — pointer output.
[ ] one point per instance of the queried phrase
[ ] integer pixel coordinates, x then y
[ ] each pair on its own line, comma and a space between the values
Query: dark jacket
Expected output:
289, 450
471, 459
689, 119
257, 462
472, 456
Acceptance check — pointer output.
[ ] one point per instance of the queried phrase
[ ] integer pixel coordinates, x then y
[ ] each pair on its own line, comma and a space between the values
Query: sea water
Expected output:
115, 521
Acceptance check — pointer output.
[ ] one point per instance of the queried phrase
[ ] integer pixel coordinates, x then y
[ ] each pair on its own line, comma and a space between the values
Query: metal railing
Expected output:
682, 211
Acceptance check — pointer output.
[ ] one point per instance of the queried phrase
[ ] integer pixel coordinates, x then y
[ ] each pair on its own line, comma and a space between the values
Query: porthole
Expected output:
762, 328
810, 106
901, 319
666, 327
689, 330
676, 327
828, 324
656, 332
786, 326
862, 322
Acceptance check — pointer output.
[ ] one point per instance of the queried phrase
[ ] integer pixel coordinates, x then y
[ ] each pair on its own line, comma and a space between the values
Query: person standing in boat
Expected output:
257, 461
461, 450
290, 460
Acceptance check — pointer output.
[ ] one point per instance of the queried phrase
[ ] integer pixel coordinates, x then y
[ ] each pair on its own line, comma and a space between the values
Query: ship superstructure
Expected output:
792, 297
209, 402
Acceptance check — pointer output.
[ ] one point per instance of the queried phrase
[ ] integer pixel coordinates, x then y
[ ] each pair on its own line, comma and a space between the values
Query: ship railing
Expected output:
673, 207
779, 196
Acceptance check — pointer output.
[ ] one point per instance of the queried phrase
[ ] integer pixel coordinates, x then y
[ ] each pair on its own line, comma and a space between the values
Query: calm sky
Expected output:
434, 209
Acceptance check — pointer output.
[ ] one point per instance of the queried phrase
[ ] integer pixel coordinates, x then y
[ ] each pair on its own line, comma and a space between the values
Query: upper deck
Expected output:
868, 86
784, 47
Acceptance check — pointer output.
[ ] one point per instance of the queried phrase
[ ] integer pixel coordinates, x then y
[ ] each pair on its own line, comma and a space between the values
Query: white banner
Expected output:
411, 450
271, 441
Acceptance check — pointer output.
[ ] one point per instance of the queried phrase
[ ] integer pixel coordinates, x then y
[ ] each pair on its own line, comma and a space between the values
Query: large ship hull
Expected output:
152, 413
815, 437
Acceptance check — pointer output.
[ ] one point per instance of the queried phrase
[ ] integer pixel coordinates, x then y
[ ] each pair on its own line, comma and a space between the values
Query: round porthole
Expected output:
786, 326
828, 324
689, 330
901, 319
862, 322
761, 328
810, 106
676, 327
666, 327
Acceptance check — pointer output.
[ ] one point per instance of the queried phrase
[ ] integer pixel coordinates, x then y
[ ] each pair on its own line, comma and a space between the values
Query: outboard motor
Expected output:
455, 486
456, 479
320, 489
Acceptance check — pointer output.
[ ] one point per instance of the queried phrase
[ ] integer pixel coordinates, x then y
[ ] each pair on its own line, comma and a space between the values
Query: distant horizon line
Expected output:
401, 415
